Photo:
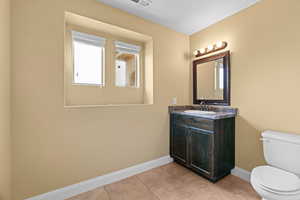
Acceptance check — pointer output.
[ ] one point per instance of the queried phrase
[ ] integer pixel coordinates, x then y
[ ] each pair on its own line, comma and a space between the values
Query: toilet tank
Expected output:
282, 150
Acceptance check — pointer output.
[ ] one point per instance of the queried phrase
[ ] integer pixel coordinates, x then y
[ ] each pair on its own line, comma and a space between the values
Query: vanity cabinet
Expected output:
206, 146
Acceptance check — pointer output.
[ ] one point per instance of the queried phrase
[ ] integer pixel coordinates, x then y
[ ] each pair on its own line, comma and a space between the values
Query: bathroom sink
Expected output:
200, 112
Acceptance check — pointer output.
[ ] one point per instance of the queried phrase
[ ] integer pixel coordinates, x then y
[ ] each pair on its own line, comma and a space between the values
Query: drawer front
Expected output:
196, 122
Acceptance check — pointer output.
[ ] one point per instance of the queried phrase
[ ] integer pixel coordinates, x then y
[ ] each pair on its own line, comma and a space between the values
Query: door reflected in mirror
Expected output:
210, 80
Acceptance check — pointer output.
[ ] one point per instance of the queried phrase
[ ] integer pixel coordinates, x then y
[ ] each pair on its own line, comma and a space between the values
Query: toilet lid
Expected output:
276, 179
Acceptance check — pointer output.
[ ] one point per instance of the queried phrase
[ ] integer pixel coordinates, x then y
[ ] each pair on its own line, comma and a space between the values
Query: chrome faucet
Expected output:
203, 106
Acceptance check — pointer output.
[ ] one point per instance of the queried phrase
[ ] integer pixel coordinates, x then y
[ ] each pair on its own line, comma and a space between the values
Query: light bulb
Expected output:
202, 51
210, 47
219, 44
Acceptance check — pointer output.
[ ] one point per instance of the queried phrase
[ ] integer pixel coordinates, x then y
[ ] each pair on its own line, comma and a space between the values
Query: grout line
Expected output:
138, 179
99, 181
150, 190
104, 188
243, 187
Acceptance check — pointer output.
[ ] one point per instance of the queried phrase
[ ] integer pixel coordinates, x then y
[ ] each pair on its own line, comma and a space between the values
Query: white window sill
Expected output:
88, 85
105, 105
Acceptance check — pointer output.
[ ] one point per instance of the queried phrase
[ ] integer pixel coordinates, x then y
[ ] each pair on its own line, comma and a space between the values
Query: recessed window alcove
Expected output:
106, 65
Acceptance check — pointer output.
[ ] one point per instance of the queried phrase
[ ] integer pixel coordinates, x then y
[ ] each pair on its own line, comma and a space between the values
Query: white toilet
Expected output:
280, 180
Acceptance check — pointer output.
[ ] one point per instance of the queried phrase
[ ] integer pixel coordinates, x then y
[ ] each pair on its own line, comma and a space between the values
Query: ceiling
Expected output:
185, 16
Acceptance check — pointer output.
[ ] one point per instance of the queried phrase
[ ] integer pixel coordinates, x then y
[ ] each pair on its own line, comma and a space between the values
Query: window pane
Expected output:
88, 61
127, 64
221, 78
127, 69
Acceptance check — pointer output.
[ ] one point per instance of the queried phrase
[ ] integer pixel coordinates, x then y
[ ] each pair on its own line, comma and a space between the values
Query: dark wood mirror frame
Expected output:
226, 92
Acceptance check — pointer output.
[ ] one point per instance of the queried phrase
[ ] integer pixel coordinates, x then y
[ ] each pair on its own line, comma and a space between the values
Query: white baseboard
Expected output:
85, 186
241, 173
94, 183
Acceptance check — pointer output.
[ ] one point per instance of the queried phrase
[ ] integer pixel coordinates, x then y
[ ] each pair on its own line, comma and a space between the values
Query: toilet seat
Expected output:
276, 181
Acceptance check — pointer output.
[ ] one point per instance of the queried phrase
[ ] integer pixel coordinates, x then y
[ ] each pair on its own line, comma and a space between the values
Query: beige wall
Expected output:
265, 45
54, 147
5, 140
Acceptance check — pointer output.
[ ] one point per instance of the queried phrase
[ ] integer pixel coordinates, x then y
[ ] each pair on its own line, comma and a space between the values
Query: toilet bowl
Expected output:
280, 179
275, 184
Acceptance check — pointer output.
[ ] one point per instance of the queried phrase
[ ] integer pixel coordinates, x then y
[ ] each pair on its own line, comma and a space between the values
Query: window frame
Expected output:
109, 57
103, 53
139, 65
82, 96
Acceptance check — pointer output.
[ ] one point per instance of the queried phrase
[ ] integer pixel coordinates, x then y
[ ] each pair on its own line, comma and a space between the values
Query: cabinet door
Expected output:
201, 150
179, 143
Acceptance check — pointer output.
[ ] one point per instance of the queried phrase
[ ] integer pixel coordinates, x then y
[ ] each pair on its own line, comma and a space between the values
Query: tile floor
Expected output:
172, 182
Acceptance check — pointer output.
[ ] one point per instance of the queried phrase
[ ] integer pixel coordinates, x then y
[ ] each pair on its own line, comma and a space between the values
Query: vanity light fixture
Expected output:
211, 48
202, 50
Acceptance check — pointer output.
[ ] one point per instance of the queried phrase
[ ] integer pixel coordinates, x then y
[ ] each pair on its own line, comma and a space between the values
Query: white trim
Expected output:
127, 48
107, 105
94, 183
88, 38
241, 173
85, 186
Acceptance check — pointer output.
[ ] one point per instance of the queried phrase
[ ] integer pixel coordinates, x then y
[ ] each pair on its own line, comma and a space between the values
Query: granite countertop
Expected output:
221, 111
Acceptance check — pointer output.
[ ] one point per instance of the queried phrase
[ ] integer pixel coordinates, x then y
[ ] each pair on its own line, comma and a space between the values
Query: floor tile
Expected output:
172, 182
97, 194
129, 189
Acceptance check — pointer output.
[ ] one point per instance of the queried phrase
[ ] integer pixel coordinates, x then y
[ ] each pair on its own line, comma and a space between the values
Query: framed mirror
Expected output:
211, 80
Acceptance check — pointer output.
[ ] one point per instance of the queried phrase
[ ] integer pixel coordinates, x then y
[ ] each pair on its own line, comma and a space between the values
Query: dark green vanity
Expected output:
204, 143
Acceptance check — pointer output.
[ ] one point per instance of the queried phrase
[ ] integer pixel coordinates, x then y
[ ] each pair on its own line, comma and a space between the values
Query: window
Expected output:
127, 65
219, 76
88, 59
106, 64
